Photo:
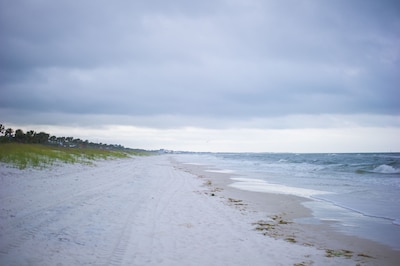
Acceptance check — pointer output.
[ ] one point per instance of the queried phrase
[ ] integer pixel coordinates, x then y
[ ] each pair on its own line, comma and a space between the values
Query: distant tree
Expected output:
44, 138
9, 132
41, 137
19, 135
29, 136
77, 143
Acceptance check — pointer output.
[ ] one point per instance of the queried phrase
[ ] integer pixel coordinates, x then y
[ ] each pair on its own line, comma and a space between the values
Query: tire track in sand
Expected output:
21, 229
150, 207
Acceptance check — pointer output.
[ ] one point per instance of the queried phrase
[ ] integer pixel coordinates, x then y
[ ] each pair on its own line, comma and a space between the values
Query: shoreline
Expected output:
156, 211
282, 214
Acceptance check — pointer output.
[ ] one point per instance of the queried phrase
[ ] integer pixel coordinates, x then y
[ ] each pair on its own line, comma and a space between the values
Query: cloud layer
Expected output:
209, 64
215, 58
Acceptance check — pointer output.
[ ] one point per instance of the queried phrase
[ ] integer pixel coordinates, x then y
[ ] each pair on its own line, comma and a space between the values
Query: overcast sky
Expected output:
211, 75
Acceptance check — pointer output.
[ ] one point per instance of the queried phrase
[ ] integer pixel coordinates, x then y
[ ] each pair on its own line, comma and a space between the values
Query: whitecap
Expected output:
386, 169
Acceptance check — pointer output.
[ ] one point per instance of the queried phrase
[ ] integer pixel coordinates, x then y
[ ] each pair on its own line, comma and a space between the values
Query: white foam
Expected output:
222, 171
386, 169
200, 164
258, 185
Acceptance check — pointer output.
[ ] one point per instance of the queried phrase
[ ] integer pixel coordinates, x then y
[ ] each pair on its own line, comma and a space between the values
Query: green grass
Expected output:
40, 156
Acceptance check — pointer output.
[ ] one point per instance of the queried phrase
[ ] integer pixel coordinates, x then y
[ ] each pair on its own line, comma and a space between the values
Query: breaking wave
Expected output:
386, 169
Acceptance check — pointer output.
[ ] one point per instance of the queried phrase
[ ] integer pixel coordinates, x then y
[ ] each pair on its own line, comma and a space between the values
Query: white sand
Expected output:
139, 211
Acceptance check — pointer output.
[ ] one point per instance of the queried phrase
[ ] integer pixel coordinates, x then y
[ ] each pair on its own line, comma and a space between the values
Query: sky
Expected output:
211, 75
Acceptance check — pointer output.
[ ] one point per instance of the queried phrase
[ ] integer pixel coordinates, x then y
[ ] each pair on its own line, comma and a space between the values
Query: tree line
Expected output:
8, 135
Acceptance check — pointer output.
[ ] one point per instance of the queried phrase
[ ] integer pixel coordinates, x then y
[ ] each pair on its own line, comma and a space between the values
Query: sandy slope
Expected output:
139, 211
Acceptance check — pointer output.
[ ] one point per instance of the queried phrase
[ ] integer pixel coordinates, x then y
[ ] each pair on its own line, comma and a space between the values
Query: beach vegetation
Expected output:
32, 149
39, 156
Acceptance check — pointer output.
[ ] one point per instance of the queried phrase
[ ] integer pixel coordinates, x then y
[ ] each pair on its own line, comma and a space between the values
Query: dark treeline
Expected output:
9, 135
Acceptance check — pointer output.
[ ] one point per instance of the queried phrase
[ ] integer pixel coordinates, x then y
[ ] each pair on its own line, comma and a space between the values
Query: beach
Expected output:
156, 210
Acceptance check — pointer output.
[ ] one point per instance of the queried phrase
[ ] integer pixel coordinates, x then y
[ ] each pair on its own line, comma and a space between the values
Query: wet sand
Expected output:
281, 213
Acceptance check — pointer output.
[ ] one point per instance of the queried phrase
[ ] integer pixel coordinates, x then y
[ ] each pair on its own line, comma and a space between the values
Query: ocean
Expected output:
357, 193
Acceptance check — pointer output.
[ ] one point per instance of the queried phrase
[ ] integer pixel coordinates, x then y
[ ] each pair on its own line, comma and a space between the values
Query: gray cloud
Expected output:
233, 60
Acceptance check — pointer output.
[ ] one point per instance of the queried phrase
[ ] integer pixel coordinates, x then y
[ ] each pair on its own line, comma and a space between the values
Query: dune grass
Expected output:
40, 156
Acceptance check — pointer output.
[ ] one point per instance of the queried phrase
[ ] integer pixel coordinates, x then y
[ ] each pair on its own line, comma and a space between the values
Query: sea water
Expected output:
357, 193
